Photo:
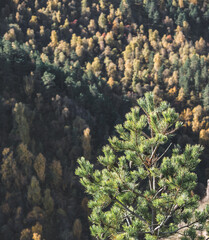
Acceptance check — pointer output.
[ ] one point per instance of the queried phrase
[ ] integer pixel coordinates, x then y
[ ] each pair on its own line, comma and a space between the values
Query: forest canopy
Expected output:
70, 71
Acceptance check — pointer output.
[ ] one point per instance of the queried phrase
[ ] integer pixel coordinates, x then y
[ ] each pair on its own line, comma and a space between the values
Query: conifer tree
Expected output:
125, 8
48, 80
23, 127
56, 172
144, 190
48, 202
39, 166
34, 191
102, 21
25, 159
206, 98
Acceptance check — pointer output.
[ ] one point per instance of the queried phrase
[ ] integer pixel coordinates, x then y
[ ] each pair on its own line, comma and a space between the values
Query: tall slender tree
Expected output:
206, 98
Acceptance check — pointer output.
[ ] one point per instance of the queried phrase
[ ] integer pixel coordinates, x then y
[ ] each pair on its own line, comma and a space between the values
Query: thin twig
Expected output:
160, 190
133, 213
185, 226
153, 152
145, 135
173, 209
164, 152
172, 131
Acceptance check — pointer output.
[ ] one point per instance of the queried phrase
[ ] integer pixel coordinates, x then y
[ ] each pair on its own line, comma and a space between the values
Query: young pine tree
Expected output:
206, 98
141, 193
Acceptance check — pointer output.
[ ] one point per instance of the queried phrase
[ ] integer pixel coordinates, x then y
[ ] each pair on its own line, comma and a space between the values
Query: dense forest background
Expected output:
69, 72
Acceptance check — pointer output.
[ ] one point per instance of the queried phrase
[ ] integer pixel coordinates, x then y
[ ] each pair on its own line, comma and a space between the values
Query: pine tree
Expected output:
25, 159
48, 80
144, 190
48, 202
39, 166
56, 172
102, 21
197, 80
23, 127
152, 8
125, 8
206, 98
34, 192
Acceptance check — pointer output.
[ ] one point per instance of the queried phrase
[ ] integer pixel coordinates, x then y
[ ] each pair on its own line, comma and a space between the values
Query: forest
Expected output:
70, 71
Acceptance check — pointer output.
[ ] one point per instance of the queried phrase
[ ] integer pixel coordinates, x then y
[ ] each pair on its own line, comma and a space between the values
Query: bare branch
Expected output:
145, 135
159, 191
164, 152
133, 213
173, 209
172, 131
154, 151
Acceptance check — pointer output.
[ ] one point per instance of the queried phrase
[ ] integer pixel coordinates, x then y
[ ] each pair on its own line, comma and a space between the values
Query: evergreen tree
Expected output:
39, 166
48, 202
141, 193
34, 191
25, 159
102, 21
21, 119
152, 9
48, 80
125, 8
206, 15
197, 81
206, 98
181, 18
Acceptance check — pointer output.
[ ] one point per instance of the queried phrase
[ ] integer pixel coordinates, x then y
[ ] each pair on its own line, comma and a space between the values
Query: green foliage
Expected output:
20, 115
48, 202
102, 21
125, 8
61, 60
39, 166
34, 192
48, 80
206, 98
141, 193
25, 158
56, 172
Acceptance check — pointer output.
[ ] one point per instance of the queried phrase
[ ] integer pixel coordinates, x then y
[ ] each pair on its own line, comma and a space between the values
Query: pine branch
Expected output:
163, 153
154, 151
145, 135
159, 191
185, 226
133, 213
173, 209
171, 132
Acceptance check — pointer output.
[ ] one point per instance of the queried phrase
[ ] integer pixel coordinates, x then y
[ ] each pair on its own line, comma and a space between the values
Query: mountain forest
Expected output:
70, 71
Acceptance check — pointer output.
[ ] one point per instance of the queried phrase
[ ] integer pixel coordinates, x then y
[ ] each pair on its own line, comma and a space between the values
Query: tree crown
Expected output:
144, 191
